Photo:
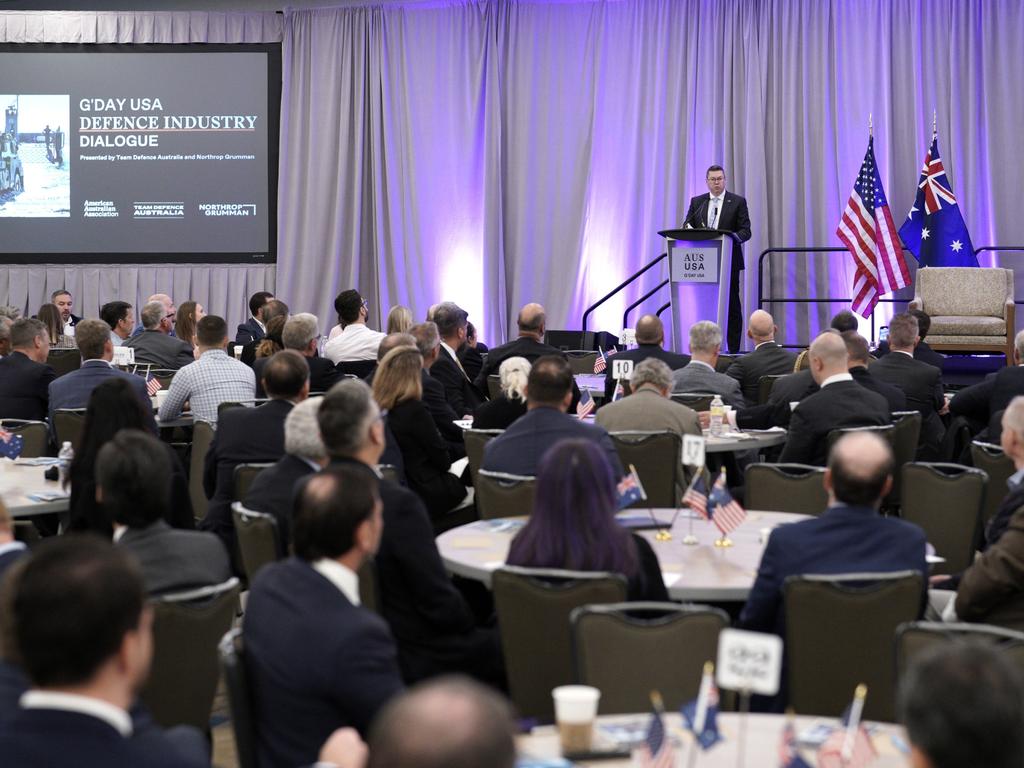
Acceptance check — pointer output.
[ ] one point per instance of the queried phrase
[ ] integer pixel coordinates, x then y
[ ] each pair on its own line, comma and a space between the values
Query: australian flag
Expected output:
934, 230
701, 714
11, 445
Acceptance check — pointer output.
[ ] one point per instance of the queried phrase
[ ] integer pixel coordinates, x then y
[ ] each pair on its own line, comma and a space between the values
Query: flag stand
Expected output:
723, 542
741, 739
691, 540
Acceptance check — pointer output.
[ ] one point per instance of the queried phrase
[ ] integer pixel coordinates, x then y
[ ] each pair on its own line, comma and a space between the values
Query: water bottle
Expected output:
717, 415
66, 455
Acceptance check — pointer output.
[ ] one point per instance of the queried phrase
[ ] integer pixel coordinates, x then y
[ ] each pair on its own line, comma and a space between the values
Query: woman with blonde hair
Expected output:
399, 319
500, 412
398, 390
189, 313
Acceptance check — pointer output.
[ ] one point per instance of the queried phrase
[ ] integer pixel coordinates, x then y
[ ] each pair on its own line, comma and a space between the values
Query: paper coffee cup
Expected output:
575, 712
238, 351
161, 395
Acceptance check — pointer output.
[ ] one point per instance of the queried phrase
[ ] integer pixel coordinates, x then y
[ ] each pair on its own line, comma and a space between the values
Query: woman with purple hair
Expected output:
573, 523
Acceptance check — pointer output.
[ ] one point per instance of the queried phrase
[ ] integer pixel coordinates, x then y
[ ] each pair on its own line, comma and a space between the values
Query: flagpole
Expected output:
690, 539
741, 739
723, 541
699, 713
856, 711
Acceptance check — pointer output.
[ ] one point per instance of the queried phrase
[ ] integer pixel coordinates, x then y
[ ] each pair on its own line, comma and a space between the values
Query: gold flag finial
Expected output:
861, 692
709, 667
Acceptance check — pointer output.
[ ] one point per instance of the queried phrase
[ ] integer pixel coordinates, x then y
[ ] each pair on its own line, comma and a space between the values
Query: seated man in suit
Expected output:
649, 407
548, 396
650, 335
529, 344
434, 627
316, 659
272, 309
24, 375
858, 355
352, 340
920, 382
301, 333
981, 404
255, 328
700, 375
133, 479
64, 301
251, 435
767, 359
840, 402
155, 345
273, 490
87, 668
471, 353
120, 318
452, 322
428, 342
922, 351
72, 390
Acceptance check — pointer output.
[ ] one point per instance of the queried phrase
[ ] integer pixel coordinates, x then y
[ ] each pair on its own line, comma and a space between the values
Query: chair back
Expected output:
795, 488
764, 387
227, 405
163, 375
906, 431
493, 386
202, 436
499, 494
699, 401
358, 368
186, 629
64, 360
884, 432
533, 606
244, 476
915, 637
389, 472
475, 440
627, 650
657, 457
240, 700
945, 500
34, 433
67, 426
999, 467
581, 360
839, 633
802, 362
723, 362
258, 541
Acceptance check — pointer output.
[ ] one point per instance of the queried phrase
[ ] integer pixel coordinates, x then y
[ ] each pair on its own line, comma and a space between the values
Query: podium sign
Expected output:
695, 262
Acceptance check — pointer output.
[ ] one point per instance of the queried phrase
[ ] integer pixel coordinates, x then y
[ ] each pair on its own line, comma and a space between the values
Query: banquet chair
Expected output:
64, 360
390, 473
657, 457
499, 494
475, 440
723, 362
493, 386
581, 360
34, 433
621, 649
358, 368
229, 404
244, 476
533, 607
904, 438
202, 437
258, 539
186, 629
999, 467
369, 589
913, 638
839, 633
67, 426
795, 488
945, 501
764, 387
698, 401
240, 700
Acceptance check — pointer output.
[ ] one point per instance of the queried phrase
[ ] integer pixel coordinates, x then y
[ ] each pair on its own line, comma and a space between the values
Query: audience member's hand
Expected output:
705, 419
344, 749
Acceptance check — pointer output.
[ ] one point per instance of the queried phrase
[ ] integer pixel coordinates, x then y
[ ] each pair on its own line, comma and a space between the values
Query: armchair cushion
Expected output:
963, 325
964, 292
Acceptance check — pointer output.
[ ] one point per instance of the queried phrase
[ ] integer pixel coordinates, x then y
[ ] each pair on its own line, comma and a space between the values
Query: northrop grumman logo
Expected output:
227, 209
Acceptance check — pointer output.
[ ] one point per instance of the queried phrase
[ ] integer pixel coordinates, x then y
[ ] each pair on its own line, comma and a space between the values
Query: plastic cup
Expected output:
575, 712
161, 395
238, 351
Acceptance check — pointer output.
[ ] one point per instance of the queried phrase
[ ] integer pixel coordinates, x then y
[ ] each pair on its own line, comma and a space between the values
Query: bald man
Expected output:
840, 402
650, 336
531, 322
767, 359
849, 537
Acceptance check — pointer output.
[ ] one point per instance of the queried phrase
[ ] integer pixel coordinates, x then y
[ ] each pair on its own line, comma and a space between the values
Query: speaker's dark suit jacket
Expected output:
444, 417
980, 402
244, 436
273, 492
174, 560
248, 332
316, 662
519, 449
638, 355
24, 387
434, 627
893, 395
459, 391
73, 390
922, 384
426, 457
322, 374
840, 404
769, 359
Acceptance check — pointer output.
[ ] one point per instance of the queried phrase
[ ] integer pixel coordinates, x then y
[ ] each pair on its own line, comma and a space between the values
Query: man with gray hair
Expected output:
432, 624
273, 490
840, 402
452, 321
982, 404
700, 374
301, 332
24, 375
428, 342
155, 345
649, 408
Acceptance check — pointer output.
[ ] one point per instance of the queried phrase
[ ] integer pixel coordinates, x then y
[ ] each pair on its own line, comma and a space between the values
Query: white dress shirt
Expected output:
836, 378
355, 342
345, 579
115, 717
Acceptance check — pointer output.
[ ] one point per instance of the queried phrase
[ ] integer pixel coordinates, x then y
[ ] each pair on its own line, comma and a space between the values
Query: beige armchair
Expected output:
971, 308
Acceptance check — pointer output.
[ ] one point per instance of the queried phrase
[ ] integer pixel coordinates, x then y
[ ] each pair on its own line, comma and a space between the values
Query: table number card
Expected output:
693, 450
622, 370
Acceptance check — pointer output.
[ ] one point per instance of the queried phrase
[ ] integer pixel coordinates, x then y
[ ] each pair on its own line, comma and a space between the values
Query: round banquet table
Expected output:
692, 572
763, 734
745, 440
18, 481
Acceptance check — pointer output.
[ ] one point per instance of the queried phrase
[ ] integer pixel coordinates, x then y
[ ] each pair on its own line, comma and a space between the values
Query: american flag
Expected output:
789, 757
657, 750
868, 231
696, 495
602, 360
726, 513
586, 404
153, 384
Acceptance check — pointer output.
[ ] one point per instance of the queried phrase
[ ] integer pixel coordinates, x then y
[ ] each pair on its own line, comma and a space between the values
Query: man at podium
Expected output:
725, 211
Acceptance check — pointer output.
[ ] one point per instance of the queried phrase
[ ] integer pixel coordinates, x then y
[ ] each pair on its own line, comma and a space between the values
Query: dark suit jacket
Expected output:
472, 359
922, 352
519, 450
444, 417
980, 402
24, 387
73, 390
498, 413
273, 492
316, 662
991, 590
161, 350
769, 359
244, 436
638, 355
841, 404
458, 389
733, 218
322, 374
173, 560
425, 456
893, 395
248, 332
922, 384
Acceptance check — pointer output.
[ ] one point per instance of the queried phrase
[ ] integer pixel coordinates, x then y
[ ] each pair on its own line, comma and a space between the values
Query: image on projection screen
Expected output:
132, 154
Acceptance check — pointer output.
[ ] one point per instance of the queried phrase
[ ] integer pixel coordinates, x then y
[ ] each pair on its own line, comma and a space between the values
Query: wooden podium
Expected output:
700, 273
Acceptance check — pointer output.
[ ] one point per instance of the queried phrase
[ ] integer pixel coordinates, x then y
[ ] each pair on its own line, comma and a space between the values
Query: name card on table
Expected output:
622, 370
749, 661
628, 336
693, 450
